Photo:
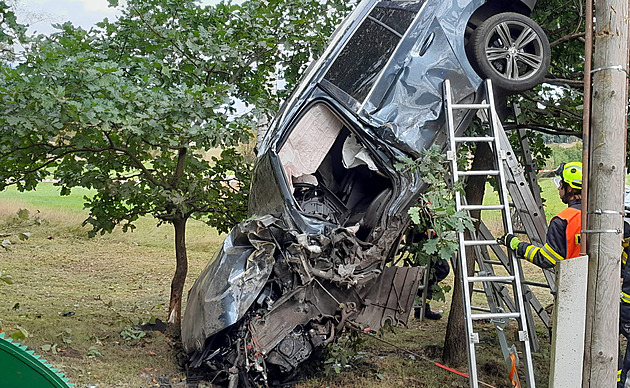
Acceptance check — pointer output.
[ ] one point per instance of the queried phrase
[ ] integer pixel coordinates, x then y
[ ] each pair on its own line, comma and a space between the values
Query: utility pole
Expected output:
606, 180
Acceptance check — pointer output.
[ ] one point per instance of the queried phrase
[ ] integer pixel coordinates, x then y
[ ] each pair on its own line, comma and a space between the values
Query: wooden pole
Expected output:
605, 192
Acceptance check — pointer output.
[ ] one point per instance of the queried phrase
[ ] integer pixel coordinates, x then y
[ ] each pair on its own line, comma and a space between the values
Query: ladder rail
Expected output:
495, 126
472, 337
493, 285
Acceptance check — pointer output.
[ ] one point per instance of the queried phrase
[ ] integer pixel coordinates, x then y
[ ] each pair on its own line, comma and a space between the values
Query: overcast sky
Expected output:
40, 14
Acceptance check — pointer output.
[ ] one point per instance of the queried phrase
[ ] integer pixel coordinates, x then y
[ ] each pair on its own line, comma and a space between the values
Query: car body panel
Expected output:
328, 206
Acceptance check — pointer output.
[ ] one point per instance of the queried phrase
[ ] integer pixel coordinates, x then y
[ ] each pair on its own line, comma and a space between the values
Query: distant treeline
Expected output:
563, 153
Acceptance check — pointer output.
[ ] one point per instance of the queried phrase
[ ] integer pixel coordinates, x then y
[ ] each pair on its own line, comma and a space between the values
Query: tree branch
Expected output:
564, 82
134, 159
566, 38
544, 128
179, 169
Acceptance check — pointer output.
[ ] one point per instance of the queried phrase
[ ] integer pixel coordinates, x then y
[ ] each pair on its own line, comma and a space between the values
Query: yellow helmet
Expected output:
571, 173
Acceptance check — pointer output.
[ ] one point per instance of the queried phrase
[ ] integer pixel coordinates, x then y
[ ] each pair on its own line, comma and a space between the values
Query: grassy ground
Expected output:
77, 299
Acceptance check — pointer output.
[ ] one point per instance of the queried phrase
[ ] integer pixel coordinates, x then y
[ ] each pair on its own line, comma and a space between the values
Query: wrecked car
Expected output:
327, 206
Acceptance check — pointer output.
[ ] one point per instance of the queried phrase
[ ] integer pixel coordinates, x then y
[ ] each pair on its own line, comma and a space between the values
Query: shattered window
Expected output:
356, 68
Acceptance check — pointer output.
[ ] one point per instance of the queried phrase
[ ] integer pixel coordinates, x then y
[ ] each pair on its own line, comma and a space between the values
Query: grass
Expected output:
112, 282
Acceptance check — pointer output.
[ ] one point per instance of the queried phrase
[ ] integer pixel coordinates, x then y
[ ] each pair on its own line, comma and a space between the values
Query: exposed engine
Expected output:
315, 287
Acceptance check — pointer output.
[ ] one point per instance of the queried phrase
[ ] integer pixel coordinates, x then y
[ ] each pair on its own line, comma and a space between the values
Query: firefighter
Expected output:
563, 235
438, 270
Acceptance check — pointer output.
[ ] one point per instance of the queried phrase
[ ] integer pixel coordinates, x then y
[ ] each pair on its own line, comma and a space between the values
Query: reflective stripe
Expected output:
547, 256
618, 375
625, 297
530, 252
550, 254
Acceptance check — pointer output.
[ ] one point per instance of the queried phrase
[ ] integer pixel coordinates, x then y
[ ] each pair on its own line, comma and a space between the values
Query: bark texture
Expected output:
174, 323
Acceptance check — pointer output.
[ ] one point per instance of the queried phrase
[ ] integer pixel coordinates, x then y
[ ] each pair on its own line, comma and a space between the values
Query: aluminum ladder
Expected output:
495, 313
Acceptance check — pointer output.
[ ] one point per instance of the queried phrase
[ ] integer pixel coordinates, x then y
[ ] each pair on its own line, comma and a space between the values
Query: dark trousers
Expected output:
438, 271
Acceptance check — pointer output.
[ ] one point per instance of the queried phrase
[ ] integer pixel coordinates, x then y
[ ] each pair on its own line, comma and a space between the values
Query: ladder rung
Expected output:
477, 172
475, 139
493, 262
470, 243
477, 308
479, 290
535, 284
482, 207
470, 106
474, 279
494, 316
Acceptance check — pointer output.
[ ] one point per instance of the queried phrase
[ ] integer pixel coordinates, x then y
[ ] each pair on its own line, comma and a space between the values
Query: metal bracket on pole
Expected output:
616, 231
600, 211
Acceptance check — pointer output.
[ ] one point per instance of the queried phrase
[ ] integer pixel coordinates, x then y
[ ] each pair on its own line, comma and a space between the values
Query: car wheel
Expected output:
512, 50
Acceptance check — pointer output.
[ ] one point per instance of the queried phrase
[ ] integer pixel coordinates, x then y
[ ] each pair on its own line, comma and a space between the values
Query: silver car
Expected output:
327, 207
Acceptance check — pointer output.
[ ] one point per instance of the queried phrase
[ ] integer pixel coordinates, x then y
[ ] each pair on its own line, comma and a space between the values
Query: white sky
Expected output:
40, 14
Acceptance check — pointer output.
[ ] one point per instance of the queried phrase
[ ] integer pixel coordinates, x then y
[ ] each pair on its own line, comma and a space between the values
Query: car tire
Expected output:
512, 50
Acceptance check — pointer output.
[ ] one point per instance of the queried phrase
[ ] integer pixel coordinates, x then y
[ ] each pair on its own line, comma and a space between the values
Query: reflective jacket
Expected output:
563, 238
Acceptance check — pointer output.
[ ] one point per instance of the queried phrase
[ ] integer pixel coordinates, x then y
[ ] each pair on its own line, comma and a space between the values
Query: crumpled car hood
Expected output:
242, 266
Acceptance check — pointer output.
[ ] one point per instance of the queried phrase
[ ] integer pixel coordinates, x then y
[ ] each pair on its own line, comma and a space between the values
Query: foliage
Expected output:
6, 278
10, 32
436, 217
563, 154
132, 335
50, 348
342, 352
437, 213
93, 352
20, 334
131, 107
65, 336
22, 219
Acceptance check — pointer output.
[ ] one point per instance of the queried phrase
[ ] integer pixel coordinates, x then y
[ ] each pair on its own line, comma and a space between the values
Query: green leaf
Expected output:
6, 278
18, 336
414, 213
23, 214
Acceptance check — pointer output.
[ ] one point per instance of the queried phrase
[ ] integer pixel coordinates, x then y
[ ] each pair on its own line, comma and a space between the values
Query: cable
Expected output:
367, 333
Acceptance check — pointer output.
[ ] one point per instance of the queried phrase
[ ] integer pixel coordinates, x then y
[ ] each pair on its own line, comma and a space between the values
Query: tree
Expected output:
10, 32
130, 108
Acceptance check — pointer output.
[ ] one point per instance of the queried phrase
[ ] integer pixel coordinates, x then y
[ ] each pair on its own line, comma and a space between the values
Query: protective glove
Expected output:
509, 240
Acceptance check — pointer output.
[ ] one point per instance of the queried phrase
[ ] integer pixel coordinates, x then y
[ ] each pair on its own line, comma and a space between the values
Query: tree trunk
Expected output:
174, 323
605, 191
455, 348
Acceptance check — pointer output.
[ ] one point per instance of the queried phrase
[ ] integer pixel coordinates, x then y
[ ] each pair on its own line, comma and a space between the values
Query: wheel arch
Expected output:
494, 7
